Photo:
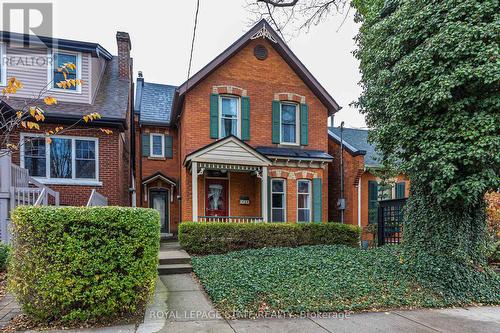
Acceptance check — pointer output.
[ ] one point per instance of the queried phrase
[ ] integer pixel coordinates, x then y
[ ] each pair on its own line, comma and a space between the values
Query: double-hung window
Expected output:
229, 116
3, 63
278, 200
157, 145
289, 123
304, 201
60, 58
62, 160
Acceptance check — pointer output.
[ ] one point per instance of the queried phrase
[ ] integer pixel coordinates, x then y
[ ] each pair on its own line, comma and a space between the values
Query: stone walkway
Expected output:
9, 308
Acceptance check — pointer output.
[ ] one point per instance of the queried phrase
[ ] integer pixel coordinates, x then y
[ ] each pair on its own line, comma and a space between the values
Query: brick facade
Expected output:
262, 81
114, 170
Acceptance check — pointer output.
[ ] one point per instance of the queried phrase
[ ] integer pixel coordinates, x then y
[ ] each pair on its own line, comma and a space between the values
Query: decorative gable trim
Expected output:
229, 150
264, 33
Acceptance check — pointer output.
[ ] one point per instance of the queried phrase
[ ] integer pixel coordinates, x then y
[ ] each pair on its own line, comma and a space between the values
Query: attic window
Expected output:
260, 52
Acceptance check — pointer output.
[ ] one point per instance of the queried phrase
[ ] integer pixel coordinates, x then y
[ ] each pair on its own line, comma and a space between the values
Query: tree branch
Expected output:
279, 3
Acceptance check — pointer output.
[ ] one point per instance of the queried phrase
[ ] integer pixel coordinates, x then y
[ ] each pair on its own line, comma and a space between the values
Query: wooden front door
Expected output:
158, 199
216, 197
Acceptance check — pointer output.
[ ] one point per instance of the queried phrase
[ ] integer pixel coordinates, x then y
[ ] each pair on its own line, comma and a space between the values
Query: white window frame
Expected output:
284, 198
64, 181
51, 68
151, 150
3, 65
238, 120
309, 201
297, 124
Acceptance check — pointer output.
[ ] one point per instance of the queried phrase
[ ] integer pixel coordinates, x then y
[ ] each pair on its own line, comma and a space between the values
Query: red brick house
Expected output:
361, 184
244, 139
84, 158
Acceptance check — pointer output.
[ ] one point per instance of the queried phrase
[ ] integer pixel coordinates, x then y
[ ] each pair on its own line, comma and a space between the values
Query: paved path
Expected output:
180, 306
9, 308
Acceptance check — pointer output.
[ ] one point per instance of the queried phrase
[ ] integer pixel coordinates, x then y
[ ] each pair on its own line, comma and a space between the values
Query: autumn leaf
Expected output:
48, 140
19, 114
49, 100
107, 131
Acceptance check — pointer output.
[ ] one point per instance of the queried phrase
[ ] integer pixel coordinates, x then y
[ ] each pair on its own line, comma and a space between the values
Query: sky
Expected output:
161, 33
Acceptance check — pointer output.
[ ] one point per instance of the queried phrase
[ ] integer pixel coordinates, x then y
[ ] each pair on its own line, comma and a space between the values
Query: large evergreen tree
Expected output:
430, 76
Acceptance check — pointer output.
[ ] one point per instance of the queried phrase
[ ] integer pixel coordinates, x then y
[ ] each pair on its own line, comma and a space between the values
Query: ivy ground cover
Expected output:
311, 279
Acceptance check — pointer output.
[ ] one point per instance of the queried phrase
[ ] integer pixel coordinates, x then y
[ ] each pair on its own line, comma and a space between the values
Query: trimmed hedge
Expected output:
76, 264
216, 238
4, 256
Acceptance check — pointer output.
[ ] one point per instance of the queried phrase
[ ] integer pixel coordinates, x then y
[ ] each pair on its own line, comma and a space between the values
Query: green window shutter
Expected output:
317, 200
145, 145
304, 124
169, 145
400, 190
372, 201
214, 116
276, 122
269, 199
245, 118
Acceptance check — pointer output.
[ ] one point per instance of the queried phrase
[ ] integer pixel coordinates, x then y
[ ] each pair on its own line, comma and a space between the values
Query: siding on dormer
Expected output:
34, 76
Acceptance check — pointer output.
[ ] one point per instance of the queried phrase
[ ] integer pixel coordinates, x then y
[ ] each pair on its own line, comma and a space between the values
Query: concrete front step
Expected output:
174, 269
174, 261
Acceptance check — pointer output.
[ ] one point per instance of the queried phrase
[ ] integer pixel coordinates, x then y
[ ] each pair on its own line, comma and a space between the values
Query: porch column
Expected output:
264, 195
194, 192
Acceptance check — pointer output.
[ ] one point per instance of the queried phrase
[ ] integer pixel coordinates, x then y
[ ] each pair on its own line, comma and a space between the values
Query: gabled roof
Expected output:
356, 143
111, 102
229, 150
259, 29
159, 176
153, 102
64, 44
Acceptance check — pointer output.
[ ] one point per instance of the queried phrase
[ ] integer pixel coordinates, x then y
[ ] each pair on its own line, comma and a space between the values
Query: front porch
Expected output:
228, 182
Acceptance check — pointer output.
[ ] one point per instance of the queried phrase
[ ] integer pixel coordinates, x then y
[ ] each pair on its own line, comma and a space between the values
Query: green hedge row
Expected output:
215, 238
4, 256
75, 264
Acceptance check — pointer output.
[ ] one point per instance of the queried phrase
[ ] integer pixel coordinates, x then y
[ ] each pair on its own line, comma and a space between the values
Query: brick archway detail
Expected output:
228, 89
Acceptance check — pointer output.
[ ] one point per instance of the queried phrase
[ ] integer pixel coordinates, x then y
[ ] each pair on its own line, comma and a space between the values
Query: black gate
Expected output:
390, 221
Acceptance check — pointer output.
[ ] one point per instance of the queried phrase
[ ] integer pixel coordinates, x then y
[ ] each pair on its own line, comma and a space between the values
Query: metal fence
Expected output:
390, 221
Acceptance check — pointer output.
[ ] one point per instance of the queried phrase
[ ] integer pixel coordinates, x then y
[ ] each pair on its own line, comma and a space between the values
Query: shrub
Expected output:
215, 238
4, 256
78, 264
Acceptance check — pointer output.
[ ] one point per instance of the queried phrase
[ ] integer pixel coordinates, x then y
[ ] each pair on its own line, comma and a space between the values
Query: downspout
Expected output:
342, 170
359, 202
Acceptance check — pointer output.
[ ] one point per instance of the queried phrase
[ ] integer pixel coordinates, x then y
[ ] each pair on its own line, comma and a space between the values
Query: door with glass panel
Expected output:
216, 197
304, 201
158, 199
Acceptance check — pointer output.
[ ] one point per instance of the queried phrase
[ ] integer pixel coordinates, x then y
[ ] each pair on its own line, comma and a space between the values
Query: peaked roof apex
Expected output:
261, 29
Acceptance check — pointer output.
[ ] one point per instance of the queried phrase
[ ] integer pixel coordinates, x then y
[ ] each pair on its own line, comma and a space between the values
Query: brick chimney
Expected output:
124, 61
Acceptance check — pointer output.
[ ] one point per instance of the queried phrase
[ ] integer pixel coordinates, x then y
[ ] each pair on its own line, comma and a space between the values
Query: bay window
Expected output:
229, 116
278, 200
304, 201
62, 160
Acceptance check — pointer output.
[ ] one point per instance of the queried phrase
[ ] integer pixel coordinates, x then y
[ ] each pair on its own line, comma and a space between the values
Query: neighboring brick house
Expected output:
244, 139
361, 186
84, 158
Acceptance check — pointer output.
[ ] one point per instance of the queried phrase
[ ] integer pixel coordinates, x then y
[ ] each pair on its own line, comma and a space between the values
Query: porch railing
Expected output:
97, 199
231, 219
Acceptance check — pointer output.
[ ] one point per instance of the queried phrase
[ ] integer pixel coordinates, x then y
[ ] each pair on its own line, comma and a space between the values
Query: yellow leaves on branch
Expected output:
12, 86
30, 125
49, 100
65, 69
91, 117
107, 131
55, 131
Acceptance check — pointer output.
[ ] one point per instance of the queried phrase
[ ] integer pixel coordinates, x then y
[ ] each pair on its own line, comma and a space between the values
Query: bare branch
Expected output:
280, 3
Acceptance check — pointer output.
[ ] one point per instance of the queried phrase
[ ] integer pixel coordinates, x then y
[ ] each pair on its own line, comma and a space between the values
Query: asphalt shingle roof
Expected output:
358, 140
294, 153
154, 102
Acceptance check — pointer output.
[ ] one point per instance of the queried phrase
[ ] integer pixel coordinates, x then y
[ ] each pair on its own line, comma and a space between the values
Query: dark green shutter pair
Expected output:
304, 123
372, 201
168, 145
400, 190
214, 117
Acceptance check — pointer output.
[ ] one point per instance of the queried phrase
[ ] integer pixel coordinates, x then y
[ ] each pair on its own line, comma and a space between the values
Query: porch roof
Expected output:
158, 176
231, 151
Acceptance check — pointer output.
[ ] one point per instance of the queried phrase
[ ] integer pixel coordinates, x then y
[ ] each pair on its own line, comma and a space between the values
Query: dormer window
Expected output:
59, 58
229, 116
